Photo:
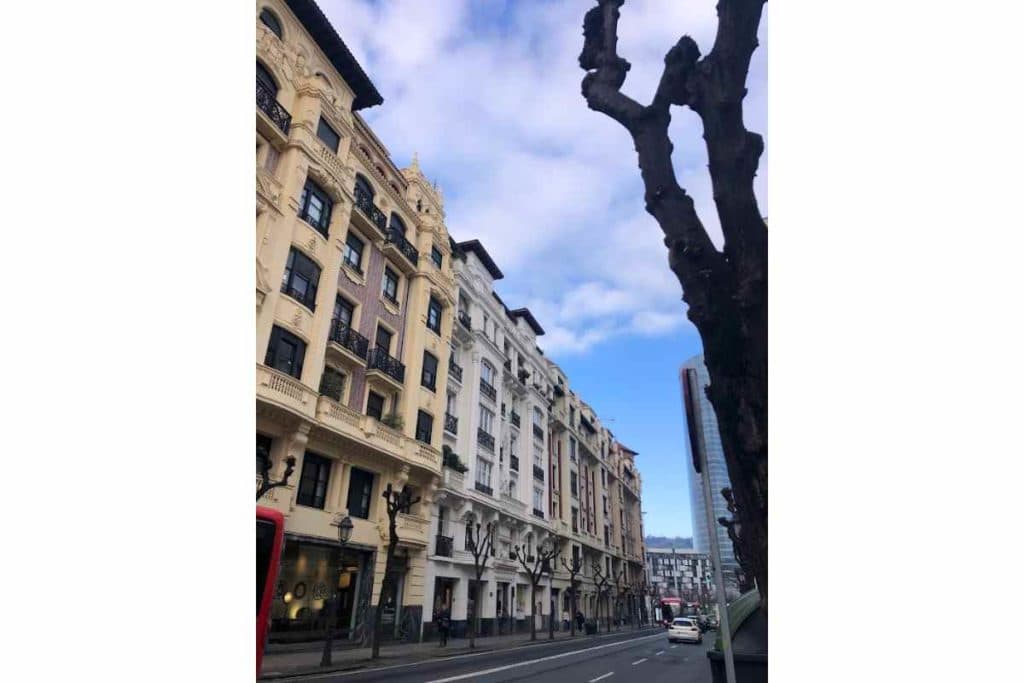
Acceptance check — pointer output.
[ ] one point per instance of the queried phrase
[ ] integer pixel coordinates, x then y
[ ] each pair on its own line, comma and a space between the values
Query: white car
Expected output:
685, 630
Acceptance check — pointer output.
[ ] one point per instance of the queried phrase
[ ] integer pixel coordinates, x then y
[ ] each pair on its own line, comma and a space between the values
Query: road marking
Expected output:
640, 661
595, 680
659, 652
672, 647
367, 669
475, 674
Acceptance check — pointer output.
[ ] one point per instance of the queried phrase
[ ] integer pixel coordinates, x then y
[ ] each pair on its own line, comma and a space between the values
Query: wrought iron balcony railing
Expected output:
465, 320
455, 370
302, 297
538, 473
348, 338
268, 104
487, 390
396, 238
484, 439
379, 359
484, 488
513, 462
365, 203
515, 418
444, 546
451, 423
538, 513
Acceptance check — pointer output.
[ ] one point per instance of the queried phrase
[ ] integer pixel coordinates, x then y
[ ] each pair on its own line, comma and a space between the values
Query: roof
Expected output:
475, 247
313, 19
627, 448
525, 314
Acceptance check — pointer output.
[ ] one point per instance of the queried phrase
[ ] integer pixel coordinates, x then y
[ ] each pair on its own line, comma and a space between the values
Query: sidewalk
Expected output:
344, 657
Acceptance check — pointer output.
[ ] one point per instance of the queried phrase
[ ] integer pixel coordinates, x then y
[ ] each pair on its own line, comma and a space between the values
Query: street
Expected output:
627, 657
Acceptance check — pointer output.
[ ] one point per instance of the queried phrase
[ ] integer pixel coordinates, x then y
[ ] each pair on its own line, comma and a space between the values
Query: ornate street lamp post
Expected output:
344, 534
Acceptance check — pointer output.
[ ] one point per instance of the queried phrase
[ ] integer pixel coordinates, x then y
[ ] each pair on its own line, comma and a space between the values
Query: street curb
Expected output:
398, 660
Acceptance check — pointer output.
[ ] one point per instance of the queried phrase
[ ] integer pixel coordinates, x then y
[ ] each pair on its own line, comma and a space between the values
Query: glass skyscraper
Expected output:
707, 430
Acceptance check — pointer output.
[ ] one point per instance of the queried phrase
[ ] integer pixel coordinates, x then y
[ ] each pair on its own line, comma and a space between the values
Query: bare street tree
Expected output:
603, 584
265, 484
536, 566
397, 501
573, 568
481, 550
727, 291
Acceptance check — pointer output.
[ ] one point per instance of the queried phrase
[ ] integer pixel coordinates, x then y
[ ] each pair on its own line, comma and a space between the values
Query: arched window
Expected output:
364, 188
264, 78
397, 224
271, 22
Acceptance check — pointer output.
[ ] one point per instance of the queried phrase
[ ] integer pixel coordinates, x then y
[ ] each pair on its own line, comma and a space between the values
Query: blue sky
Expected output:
488, 95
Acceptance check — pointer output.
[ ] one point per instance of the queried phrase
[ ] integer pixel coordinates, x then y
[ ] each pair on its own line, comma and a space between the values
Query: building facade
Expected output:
384, 356
684, 573
704, 430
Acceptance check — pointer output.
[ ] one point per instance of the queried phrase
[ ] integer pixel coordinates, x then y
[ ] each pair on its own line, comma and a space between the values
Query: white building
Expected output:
496, 424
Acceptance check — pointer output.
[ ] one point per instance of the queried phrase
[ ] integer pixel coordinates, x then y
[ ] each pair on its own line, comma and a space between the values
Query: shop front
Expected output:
319, 587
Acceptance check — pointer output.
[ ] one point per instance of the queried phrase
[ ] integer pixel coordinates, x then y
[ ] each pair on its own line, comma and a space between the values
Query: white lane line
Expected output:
475, 674
659, 652
672, 647
640, 661
595, 680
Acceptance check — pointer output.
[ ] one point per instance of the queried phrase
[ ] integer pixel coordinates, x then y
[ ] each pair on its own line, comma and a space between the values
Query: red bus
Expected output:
269, 541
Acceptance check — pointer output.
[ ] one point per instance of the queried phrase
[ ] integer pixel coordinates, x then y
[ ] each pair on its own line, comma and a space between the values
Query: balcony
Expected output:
483, 488
538, 473
302, 296
395, 239
365, 203
455, 371
348, 339
487, 390
538, 432
267, 103
443, 545
452, 480
379, 359
538, 513
451, 423
513, 463
465, 320
515, 418
484, 439
276, 387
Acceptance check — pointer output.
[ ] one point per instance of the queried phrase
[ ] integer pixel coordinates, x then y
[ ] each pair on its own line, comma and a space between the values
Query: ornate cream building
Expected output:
380, 340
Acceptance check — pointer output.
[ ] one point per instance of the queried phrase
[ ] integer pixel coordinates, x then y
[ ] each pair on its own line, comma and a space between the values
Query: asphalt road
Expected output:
637, 656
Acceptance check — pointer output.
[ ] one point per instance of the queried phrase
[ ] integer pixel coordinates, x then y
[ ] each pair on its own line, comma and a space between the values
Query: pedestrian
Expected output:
579, 620
565, 620
443, 624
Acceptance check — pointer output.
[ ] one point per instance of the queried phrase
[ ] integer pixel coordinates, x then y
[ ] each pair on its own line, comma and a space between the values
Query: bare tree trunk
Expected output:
727, 291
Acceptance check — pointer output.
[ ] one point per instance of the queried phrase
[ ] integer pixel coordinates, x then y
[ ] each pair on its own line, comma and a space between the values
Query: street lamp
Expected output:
344, 534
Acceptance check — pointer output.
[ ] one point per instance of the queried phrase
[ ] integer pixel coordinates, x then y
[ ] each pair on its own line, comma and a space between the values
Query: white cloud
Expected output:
489, 95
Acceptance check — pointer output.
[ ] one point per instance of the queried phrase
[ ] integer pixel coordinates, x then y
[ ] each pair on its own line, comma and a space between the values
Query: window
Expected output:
264, 78
574, 486
450, 406
383, 338
538, 417
343, 311
271, 22
360, 486
604, 482
390, 286
436, 256
483, 472
424, 426
486, 420
538, 499
285, 352
397, 224
300, 278
332, 383
316, 470
375, 405
327, 135
512, 444
575, 521
434, 315
487, 372
572, 449
429, 378
363, 188
353, 257
315, 207
263, 444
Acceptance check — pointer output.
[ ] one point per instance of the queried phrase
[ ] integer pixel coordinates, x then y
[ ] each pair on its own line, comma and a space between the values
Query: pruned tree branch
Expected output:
265, 483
